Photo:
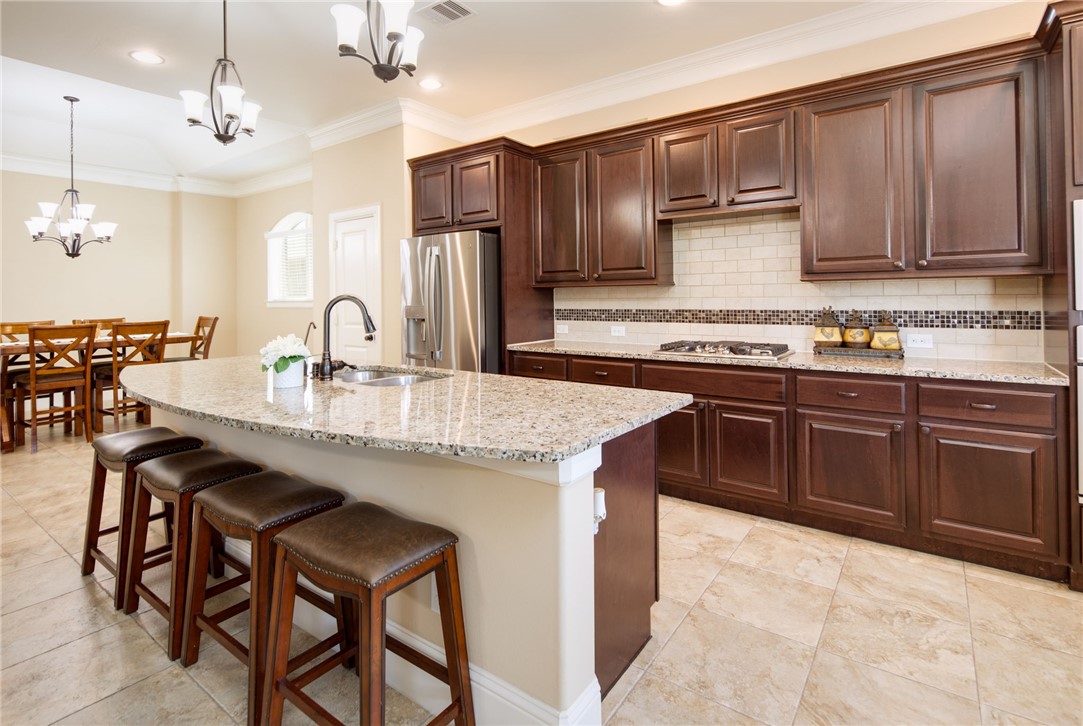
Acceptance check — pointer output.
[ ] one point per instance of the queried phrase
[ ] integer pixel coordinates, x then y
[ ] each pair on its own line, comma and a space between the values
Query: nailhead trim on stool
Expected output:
253, 508
122, 453
366, 553
174, 479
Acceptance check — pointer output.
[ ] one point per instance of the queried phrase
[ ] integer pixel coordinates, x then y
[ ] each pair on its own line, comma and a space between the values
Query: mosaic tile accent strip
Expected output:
977, 319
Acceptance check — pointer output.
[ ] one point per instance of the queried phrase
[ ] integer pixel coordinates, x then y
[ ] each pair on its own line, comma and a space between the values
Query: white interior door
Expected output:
355, 270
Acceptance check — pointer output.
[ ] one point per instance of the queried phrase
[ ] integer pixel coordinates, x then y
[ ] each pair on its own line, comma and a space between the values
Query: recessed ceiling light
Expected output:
670, 3
430, 84
145, 56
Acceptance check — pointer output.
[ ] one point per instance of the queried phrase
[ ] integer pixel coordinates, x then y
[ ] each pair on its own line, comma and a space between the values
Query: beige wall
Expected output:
257, 323
205, 270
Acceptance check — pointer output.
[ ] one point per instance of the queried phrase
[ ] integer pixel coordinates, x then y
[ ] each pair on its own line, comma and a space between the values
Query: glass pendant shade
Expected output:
411, 46
104, 230
249, 116
77, 225
232, 98
348, 23
64, 230
84, 211
38, 225
395, 15
48, 210
193, 105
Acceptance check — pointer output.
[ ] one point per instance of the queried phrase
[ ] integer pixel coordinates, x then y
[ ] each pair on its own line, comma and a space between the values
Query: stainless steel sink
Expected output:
383, 378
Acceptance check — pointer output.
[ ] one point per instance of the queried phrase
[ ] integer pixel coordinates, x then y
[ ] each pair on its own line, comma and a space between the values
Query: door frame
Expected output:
334, 220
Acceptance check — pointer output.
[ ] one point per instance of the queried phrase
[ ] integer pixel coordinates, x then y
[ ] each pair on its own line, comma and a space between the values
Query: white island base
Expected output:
526, 562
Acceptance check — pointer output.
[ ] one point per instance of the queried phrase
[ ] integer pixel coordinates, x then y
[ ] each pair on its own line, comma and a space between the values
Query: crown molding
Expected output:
88, 172
384, 116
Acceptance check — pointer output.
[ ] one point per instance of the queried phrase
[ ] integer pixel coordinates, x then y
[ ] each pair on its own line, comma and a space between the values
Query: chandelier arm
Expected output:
391, 61
343, 54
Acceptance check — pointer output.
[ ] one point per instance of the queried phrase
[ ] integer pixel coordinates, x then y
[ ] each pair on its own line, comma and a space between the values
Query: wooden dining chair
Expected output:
10, 366
134, 344
104, 326
201, 349
58, 366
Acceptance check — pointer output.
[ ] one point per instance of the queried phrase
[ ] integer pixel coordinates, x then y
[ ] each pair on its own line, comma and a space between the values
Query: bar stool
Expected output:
122, 453
173, 479
253, 508
366, 553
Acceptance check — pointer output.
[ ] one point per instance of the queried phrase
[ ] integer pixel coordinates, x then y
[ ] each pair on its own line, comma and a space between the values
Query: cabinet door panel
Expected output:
748, 450
852, 219
851, 466
686, 165
560, 213
994, 488
1074, 50
976, 169
476, 191
432, 197
682, 445
759, 158
622, 196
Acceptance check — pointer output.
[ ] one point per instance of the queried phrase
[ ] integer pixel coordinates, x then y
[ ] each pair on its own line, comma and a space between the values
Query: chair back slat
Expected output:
138, 344
104, 324
205, 330
59, 351
15, 333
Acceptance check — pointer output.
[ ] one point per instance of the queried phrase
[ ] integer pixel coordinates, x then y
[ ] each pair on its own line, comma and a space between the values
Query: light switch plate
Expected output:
562, 328
616, 330
917, 340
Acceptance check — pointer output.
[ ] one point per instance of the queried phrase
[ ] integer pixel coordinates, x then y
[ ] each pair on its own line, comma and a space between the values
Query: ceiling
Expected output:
511, 61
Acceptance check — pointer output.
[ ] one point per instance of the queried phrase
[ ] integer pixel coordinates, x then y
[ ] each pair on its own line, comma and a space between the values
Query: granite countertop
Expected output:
969, 370
463, 414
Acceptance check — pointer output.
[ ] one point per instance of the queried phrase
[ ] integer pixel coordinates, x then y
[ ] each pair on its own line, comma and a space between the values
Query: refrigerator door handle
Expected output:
436, 312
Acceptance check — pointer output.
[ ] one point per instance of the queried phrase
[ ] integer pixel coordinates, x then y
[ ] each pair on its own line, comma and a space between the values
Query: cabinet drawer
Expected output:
1019, 408
854, 394
715, 381
539, 366
610, 373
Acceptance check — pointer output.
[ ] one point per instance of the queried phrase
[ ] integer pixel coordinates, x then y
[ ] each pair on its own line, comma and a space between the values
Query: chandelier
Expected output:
394, 43
230, 113
69, 234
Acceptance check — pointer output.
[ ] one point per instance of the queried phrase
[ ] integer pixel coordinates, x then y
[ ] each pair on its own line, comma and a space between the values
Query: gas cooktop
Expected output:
727, 349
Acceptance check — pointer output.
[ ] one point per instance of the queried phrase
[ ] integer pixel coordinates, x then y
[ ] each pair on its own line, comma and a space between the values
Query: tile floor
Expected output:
759, 622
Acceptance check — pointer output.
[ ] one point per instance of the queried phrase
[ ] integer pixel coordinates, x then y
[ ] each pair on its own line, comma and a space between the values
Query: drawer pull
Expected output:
896, 428
538, 367
846, 394
925, 429
700, 405
983, 406
603, 374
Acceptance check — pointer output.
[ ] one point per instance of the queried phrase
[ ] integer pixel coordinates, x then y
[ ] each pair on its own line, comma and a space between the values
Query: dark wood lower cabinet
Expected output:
851, 466
997, 488
748, 449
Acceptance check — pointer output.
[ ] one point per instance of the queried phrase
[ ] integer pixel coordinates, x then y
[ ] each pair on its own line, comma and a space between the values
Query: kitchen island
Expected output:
507, 463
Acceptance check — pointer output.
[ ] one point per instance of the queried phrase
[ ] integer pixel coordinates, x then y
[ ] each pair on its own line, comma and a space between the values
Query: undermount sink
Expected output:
383, 378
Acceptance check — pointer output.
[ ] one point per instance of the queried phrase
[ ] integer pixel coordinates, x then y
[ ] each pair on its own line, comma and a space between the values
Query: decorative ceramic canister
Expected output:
855, 333
828, 331
885, 334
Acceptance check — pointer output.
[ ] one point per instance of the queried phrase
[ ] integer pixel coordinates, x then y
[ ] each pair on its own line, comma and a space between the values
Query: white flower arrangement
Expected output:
281, 352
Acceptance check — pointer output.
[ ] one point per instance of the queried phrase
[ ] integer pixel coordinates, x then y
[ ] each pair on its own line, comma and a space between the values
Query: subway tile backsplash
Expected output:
739, 277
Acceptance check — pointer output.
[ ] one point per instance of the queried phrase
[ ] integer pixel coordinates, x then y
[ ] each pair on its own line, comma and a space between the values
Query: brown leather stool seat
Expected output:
174, 479
254, 508
122, 453
366, 553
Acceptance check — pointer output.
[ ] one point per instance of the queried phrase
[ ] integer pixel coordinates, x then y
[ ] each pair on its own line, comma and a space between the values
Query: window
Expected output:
289, 261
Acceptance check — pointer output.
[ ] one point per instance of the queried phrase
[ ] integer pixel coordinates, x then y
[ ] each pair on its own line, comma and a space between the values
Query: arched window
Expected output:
289, 261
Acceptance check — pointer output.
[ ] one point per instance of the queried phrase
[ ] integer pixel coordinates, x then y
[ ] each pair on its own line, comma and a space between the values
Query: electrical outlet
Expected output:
616, 330
915, 340
562, 328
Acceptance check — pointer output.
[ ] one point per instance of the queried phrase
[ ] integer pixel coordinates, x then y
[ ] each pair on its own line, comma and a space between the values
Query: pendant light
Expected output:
69, 233
394, 43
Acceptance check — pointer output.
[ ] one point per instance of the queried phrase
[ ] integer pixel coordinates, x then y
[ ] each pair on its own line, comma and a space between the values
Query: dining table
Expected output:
11, 349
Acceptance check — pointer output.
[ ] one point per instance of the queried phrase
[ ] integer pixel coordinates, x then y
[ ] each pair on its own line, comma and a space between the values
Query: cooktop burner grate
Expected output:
727, 349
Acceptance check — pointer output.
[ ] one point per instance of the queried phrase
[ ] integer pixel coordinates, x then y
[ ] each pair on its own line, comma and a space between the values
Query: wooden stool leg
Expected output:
278, 646
216, 567
128, 487
454, 627
94, 518
197, 585
136, 548
261, 588
371, 629
179, 577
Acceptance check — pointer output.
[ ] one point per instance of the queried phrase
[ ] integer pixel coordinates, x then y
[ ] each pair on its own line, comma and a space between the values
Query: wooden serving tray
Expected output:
859, 352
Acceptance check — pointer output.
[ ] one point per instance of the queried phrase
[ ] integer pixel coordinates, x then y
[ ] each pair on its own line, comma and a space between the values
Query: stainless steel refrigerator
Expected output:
451, 301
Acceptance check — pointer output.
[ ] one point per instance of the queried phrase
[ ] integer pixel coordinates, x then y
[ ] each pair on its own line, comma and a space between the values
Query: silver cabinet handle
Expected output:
538, 368
847, 394
897, 264
983, 406
896, 428
925, 429
923, 263
603, 374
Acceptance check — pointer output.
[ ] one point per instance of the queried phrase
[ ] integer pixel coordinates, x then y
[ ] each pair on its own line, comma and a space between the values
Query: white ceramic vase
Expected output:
292, 377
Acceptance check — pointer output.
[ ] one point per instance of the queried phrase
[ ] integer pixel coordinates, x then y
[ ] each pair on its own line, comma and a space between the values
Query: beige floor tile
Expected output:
749, 670
34, 585
908, 582
224, 677
34, 630
22, 465
169, 697
828, 539
53, 481
1035, 617
793, 553
684, 574
993, 716
655, 701
33, 547
67, 679
619, 691
717, 533
776, 603
1049, 587
842, 691
666, 615
1036, 683
919, 558
902, 641
666, 505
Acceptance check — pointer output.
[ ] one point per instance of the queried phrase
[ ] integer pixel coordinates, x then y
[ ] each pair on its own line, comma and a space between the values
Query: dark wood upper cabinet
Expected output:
686, 169
560, 218
622, 211
460, 193
976, 168
759, 158
1074, 100
852, 219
